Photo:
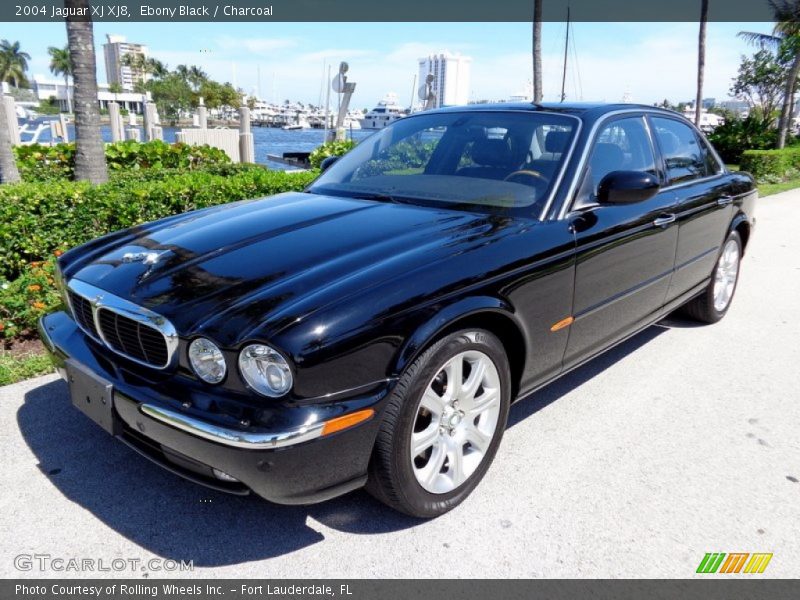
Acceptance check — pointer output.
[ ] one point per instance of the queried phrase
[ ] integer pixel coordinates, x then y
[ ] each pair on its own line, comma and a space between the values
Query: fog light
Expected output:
223, 476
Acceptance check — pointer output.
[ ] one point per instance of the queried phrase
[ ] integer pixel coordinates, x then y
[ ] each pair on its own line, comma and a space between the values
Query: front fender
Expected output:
459, 310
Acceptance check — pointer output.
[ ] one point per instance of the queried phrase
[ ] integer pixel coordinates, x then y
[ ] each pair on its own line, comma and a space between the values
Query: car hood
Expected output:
238, 268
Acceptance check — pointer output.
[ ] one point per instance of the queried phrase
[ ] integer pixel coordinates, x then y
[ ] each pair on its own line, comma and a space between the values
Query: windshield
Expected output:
469, 160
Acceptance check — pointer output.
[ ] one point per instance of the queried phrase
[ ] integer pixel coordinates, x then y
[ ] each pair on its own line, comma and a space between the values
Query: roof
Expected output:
574, 108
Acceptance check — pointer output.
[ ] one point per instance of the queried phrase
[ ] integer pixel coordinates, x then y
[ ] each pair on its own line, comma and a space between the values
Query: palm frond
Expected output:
764, 40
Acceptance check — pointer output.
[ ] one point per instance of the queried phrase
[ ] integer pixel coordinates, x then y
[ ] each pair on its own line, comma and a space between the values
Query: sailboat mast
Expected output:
566, 56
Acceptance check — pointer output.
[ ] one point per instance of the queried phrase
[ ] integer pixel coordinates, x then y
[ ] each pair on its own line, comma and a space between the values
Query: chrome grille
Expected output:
126, 328
82, 310
132, 338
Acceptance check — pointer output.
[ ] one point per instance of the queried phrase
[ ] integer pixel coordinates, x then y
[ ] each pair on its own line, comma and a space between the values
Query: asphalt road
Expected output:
682, 441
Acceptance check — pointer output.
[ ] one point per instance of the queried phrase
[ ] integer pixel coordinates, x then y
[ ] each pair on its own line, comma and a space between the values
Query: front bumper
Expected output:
285, 460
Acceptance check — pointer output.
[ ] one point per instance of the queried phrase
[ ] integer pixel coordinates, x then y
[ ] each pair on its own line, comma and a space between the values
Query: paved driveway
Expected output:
682, 441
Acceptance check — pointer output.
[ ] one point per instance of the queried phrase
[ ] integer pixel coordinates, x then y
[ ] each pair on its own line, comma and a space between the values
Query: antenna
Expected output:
566, 56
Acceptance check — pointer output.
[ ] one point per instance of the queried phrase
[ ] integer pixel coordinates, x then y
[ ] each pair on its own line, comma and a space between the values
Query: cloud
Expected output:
253, 45
335, 54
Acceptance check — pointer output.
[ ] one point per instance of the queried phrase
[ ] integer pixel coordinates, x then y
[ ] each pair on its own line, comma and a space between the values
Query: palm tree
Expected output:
60, 64
137, 64
537, 51
90, 159
183, 72
785, 36
13, 63
8, 165
701, 61
156, 68
196, 77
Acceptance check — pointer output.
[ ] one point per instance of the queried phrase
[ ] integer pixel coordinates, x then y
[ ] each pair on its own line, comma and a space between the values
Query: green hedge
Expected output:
38, 221
38, 162
769, 165
335, 148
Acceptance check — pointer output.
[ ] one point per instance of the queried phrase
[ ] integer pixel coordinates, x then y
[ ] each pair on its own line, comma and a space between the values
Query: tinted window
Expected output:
622, 145
713, 167
685, 159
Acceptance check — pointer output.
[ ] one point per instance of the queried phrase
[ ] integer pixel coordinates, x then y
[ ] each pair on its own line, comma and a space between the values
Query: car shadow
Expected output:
180, 520
543, 397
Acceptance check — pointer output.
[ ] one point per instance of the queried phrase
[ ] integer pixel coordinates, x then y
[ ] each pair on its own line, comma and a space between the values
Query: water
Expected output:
267, 140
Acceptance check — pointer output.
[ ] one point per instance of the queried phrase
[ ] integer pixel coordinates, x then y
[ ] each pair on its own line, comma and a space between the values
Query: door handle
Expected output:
724, 200
664, 220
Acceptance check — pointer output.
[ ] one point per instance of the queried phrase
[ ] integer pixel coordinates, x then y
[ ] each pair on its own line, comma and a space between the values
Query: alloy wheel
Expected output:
455, 422
725, 276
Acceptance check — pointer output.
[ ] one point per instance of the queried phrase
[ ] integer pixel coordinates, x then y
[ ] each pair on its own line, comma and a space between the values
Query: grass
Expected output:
16, 367
767, 189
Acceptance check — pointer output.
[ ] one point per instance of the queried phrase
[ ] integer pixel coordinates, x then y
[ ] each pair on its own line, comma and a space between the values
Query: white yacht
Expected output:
387, 111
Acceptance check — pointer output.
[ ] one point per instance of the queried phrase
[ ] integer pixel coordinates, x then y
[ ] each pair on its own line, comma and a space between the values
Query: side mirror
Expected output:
627, 187
327, 162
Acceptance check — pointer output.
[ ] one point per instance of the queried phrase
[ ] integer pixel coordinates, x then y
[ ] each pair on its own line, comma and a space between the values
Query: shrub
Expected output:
38, 162
737, 135
27, 298
336, 148
38, 218
771, 165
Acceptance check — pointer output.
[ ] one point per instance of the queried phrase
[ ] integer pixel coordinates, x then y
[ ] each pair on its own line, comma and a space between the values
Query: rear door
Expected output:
625, 253
704, 194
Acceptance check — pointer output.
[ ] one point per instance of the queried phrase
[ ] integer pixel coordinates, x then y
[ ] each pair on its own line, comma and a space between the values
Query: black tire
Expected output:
391, 477
701, 308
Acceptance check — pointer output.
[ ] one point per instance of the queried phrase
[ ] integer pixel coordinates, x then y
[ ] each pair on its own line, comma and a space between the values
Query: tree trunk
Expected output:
537, 51
701, 62
66, 93
788, 94
8, 165
90, 159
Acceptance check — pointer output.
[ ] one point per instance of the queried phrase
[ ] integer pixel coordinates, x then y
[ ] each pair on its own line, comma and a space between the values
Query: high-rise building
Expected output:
451, 77
117, 72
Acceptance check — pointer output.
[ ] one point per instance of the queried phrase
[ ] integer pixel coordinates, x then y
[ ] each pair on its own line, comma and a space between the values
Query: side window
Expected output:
684, 158
713, 167
622, 145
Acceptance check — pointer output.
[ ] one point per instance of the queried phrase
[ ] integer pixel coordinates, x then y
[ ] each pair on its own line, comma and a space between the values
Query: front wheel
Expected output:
715, 300
443, 425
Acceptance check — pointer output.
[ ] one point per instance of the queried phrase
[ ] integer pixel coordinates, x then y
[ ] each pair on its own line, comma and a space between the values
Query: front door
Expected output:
625, 253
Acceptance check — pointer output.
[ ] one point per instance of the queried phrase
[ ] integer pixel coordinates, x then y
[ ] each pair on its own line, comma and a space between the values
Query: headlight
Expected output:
207, 360
61, 286
264, 370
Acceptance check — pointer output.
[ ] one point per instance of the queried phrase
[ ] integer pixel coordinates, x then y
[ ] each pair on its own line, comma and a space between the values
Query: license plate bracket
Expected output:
92, 395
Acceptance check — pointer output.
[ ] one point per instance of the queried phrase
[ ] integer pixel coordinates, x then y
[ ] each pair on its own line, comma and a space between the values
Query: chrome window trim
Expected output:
566, 207
101, 299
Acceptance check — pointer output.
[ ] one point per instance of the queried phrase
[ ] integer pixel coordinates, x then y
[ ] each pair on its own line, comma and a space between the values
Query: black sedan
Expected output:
374, 329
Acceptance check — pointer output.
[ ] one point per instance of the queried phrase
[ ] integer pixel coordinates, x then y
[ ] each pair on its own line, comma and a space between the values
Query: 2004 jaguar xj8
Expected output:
374, 329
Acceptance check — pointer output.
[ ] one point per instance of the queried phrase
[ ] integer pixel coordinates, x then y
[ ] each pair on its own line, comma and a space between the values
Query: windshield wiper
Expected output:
379, 196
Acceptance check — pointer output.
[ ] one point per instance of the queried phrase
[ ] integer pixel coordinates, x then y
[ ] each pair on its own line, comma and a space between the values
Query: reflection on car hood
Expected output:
235, 267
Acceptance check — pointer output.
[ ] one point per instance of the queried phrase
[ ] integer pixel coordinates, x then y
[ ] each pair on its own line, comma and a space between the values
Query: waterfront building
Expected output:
114, 50
451, 77
44, 89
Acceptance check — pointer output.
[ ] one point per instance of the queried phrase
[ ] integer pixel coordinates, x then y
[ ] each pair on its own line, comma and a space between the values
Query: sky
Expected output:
648, 61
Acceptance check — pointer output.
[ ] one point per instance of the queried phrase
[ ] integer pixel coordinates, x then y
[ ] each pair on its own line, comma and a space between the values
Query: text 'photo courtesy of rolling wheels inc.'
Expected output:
449, 299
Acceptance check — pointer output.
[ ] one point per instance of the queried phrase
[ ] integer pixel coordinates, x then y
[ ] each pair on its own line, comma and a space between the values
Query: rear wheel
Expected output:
443, 425
716, 299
